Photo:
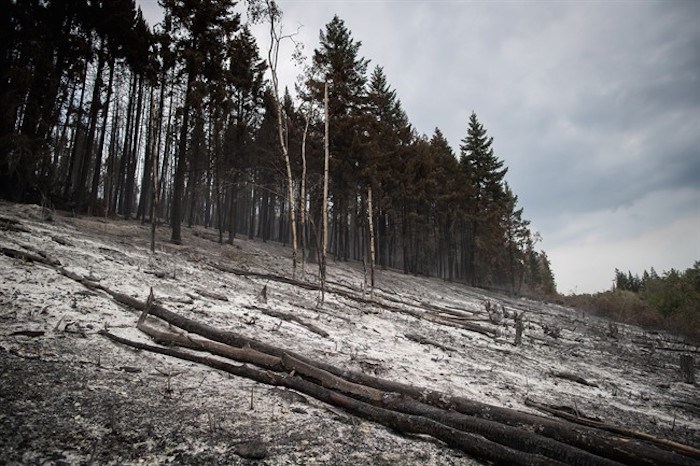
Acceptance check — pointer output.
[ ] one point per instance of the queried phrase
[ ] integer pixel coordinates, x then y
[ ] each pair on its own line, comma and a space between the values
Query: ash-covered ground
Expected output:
70, 396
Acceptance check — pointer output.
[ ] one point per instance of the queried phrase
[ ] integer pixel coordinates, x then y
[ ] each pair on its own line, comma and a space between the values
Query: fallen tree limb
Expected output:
29, 257
291, 318
348, 295
475, 445
211, 294
427, 341
574, 378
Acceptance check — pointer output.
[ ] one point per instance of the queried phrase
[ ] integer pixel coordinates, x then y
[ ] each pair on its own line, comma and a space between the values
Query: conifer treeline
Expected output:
92, 101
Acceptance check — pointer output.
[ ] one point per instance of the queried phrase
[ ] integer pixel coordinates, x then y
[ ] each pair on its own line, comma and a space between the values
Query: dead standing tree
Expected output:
370, 225
326, 157
302, 195
273, 15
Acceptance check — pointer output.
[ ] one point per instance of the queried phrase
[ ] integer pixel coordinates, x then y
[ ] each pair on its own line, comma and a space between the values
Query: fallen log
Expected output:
677, 350
599, 442
472, 444
211, 294
512, 437
509, 436
10, 224
475, 445
265, 276
28, 333
573, 378
245, 355
62, 241
29, 257
17, 228
590, 422
460, 323
427, 341
249, 355
9, 221
345, 294
291, 318
329, 380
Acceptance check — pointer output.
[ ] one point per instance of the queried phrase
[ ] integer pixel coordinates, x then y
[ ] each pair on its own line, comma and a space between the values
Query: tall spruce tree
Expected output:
337, 62
453, 192
243, 93
517, 237
388, 133
485, 174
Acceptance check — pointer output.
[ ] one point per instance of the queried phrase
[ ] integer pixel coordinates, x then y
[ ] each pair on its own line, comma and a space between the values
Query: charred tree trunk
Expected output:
95, 104
98, 156
324, 208
370, 221
302, 197
123, 164
180, 169
146, 185
130, 185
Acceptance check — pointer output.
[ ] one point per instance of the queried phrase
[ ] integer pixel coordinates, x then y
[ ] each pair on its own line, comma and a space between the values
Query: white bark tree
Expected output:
276, 37
302, 195
370, 223
324, 212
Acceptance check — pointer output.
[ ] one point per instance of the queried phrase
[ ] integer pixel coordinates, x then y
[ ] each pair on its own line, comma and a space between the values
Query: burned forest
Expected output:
201, 266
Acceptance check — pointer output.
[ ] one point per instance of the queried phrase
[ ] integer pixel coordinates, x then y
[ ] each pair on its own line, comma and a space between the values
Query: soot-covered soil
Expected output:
69, 396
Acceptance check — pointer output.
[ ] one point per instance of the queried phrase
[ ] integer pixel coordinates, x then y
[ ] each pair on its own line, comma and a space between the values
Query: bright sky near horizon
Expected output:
593, 106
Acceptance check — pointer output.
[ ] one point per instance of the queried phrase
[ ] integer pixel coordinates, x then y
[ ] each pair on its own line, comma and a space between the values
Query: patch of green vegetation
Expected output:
670, 301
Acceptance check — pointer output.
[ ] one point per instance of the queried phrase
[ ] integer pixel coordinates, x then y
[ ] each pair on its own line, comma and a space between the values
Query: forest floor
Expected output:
68, 395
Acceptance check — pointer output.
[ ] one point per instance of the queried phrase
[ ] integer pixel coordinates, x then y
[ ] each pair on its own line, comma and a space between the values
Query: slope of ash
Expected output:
70, 396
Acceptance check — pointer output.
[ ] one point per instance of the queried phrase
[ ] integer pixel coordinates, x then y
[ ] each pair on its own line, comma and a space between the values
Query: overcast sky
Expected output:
593, 105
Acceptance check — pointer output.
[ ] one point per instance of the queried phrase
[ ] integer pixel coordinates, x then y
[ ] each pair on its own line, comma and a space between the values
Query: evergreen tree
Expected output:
387, 136
452, 196
485, 174
243, 98
517, 236
90, 98
337, 61
202, 28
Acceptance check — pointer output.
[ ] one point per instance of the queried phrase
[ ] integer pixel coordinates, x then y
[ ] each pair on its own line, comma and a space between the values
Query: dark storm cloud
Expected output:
624, 115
